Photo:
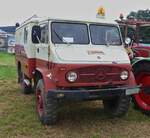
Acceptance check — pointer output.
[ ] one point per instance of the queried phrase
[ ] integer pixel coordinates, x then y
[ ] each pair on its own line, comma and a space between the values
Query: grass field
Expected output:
18, 117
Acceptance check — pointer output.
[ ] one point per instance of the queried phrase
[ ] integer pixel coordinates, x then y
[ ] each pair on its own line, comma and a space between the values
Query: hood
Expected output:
92, 54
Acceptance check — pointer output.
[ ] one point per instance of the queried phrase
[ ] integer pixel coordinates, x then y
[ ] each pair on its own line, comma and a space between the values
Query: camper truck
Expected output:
73, 60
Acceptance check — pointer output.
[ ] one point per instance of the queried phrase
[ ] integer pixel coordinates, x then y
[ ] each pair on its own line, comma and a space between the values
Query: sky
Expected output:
12, 11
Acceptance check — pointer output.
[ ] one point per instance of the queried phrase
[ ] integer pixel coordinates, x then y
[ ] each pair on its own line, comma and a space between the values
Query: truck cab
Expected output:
74, 60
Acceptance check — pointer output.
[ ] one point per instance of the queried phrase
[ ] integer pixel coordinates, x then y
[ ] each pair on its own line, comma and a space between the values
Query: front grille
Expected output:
98, 74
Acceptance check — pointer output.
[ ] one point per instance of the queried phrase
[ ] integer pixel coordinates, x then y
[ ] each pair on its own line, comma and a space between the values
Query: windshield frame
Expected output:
109, 25
69, 22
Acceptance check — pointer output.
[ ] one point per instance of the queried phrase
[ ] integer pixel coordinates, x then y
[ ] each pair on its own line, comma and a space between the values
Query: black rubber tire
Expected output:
117, 106
135, 105
50, 106
26, 89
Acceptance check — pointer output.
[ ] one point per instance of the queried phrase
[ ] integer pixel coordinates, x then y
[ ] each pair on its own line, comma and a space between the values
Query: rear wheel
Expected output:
117, 106
142, 76
46, 106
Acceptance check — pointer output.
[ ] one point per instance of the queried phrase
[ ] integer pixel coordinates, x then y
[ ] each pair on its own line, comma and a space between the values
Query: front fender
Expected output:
47, 78
138, 60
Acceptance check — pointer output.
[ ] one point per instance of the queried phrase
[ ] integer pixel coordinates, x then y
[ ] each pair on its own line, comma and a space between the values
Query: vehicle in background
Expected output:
11, 44
7, 39
139, 32
74, 60
3, 41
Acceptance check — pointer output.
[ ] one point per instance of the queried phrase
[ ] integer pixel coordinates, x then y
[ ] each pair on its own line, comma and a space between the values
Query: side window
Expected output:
25, 35
44, 33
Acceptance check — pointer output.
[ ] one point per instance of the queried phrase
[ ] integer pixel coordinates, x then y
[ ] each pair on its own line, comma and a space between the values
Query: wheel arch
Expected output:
137, 65
43, 74
141, 100
140, 61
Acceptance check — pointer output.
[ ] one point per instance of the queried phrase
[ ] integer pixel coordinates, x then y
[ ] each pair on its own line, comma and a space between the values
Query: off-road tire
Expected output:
135, 105
50, 106
117, 106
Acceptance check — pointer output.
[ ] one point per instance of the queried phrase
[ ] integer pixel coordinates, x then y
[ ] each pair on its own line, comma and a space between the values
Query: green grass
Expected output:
7, 59
7, 72
18, 118
7, 66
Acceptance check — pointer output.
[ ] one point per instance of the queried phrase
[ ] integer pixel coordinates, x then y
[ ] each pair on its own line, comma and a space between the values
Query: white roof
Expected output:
95, 20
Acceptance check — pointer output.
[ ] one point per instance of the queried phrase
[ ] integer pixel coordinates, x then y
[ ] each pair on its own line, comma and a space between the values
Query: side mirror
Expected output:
36, 34
127, 41
17, 25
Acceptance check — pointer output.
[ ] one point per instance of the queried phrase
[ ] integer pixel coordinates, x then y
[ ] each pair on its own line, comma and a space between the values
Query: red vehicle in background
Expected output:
139, 33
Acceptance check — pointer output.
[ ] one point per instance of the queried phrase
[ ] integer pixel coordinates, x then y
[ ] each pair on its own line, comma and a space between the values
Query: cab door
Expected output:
42, 54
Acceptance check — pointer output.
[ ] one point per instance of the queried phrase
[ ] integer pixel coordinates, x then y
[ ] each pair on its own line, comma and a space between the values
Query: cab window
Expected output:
73, 33
105, 35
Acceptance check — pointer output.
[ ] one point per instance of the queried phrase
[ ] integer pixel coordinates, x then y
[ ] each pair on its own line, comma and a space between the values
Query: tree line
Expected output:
140, 15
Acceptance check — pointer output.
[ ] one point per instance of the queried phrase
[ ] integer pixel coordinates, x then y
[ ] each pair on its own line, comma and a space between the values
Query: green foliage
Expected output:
140, 15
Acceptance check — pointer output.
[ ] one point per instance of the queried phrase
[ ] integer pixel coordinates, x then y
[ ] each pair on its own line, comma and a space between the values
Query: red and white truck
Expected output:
73, 60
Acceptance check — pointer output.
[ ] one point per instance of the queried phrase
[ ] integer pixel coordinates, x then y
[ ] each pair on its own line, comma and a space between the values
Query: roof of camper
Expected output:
95, 20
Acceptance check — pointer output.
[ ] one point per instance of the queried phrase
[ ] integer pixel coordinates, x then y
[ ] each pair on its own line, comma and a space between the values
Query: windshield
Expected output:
105, 35
144, 34
72, 33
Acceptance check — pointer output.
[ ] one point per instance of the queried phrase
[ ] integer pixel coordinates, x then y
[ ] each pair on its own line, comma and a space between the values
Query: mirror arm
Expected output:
38, 39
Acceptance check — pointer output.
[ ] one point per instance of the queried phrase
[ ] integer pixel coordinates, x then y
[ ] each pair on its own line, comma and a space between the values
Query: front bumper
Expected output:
92, 94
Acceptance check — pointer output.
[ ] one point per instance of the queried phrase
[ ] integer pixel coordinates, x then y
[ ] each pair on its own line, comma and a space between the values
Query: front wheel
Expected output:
46, 106
117, 106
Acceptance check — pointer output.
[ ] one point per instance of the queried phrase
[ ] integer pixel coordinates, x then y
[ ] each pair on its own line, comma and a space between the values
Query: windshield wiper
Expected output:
61, 38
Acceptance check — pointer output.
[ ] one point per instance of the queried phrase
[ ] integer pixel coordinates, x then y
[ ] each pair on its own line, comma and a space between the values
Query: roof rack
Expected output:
132, 22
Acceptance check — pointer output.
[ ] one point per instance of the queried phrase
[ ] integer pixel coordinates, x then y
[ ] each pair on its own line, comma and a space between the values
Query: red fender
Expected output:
131, 80
47, 78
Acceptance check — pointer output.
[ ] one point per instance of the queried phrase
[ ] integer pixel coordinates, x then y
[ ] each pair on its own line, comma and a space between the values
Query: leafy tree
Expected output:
140, 15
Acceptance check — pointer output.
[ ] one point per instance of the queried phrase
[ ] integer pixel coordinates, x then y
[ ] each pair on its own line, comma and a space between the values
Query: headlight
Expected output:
124, 75
71, 76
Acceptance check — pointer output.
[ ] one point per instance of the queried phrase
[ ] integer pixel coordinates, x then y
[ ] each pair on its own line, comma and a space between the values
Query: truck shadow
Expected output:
84, 112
